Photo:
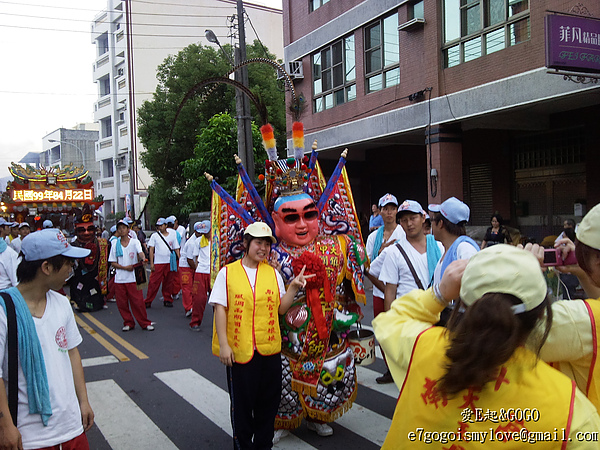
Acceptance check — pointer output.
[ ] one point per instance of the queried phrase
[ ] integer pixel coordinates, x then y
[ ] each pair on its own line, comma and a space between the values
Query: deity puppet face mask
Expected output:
85, 231
297, 220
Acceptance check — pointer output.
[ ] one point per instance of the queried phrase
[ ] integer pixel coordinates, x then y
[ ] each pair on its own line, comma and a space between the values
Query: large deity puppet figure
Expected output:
89, 283
319, 377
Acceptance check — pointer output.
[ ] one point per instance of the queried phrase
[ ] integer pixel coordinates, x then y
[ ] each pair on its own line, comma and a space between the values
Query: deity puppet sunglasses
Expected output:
84, 229
295, 217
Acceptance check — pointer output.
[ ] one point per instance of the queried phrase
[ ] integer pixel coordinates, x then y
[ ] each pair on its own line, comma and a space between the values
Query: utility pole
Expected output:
245, 151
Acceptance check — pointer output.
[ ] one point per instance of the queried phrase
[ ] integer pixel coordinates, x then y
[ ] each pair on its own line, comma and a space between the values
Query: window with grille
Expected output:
473, 28
334, 75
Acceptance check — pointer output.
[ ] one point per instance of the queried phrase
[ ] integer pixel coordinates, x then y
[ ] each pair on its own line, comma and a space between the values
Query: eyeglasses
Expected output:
84, 229
295, 217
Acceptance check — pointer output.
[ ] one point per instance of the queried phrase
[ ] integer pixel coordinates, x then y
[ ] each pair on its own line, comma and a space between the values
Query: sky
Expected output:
46, 76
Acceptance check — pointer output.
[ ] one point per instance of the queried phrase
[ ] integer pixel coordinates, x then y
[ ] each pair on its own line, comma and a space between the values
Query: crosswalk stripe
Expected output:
366, 377
99, 361
366, 423
122, 423
213, 402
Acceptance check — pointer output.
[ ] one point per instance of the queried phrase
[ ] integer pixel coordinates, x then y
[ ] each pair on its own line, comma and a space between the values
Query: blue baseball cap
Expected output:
129, 220
411, 206
452, 209
123, 222
387, 199
171, 219
113, 229
47, 224
202, 227
45, 244
161, 221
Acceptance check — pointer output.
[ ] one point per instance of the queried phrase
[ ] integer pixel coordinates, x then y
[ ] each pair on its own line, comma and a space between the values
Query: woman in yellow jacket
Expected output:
474, 384
247, 296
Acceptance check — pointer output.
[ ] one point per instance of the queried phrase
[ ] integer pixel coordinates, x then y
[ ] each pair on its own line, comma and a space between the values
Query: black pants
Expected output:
255, 393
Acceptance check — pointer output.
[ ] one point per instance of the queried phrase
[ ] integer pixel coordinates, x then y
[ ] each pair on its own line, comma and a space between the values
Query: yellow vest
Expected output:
593, 384
252, 317
527, 397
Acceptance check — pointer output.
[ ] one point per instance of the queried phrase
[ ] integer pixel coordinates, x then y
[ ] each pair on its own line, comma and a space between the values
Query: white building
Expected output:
132, 39
64, 146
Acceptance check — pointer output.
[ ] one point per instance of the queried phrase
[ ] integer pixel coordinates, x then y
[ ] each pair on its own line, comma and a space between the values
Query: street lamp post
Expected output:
74, 145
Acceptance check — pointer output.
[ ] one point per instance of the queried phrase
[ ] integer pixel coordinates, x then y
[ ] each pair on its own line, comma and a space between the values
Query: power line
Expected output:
135, 23
113, 10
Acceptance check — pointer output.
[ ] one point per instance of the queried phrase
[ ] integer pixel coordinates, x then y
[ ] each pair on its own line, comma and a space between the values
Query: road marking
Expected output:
99, 361
122, 423
366, 377
107, 345
366, 423
213, 402
116, 337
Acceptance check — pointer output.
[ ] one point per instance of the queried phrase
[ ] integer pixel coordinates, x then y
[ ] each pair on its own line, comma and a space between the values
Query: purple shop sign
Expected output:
573, 43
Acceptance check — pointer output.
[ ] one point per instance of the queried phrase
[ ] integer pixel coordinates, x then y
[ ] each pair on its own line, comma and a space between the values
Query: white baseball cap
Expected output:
171, 219
387, 199
259, 230
47, 243
202, 227
47, 224
452, 209
161, 221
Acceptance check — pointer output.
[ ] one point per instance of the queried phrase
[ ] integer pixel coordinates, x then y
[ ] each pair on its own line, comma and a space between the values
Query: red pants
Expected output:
111, 288
187, 281
199, 297
162, 274
379, 307
128, 296
78, 443
177, 281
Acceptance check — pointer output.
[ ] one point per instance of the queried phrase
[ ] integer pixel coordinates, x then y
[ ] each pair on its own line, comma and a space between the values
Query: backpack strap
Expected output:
411, 267
13, 357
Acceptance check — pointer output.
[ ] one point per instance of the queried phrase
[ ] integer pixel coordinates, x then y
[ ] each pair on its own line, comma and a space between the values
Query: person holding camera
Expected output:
572, 344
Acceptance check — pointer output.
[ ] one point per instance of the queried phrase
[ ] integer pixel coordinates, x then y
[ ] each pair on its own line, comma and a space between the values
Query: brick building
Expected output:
449, 98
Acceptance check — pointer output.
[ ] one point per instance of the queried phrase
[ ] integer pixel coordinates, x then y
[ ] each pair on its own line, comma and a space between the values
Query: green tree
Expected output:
215, 150
176, 76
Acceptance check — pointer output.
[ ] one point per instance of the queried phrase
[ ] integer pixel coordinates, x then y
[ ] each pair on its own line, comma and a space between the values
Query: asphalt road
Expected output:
165, 390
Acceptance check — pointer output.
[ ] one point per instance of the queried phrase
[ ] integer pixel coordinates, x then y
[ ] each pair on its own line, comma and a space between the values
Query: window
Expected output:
473, 28
54, 154
107, 168
104, 86
316, 4
334, 75
382, 54
416, 10
106, 126
102, 45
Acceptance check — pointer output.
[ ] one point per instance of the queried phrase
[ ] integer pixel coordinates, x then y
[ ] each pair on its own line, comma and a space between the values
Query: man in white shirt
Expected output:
187, 267
181, 238
201, 289
9, 259
163, 247
53, 408
125, 254
24, 230
377, 242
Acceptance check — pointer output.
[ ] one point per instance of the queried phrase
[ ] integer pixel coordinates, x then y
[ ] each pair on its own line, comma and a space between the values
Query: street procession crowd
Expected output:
479, 351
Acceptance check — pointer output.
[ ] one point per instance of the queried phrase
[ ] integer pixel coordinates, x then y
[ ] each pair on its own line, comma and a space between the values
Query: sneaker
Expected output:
195, 328
152, 323
280, 434
386, 378
168, 304
188, 313
149, 328
322, 429
126, 328
112, 300
104, 306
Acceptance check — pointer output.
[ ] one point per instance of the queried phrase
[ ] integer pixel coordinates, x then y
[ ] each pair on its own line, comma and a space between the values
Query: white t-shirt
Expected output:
183, 234
162, 252
58, 333
218, 296
398, 233
130, 257
16, 244
9, 260
202, 257
464, 251
186, 251
395, 270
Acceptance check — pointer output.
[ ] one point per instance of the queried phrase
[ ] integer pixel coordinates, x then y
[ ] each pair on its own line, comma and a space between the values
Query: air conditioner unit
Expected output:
294, 70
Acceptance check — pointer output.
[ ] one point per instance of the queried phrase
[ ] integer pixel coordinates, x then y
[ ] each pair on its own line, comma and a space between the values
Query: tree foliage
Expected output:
176, 76
215, 150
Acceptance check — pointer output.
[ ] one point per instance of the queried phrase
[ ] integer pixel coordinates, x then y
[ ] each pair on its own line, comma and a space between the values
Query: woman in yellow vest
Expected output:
248, 295
474, 384
572, 346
